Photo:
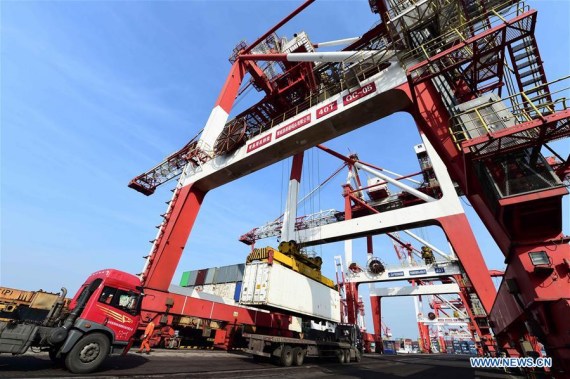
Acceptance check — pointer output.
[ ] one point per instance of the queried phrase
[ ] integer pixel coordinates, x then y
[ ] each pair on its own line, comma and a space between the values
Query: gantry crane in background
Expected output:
471, 75
394, 207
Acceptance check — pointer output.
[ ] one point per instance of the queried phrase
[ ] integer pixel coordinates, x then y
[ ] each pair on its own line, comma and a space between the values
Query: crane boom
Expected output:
170, 168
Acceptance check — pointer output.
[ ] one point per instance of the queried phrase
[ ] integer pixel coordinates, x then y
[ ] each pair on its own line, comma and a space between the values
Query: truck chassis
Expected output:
289, 351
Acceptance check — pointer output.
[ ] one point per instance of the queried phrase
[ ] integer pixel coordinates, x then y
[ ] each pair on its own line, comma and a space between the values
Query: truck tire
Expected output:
347, 356
88, 353
340, 356
298, 356
286, 356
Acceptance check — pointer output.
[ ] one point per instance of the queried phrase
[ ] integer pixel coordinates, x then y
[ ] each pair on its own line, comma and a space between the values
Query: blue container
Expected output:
237, 292
389, 347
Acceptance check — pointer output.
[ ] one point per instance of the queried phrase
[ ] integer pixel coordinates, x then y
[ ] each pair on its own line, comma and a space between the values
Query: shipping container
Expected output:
211, 273
192, 278
276, 286
237, 292
185, 278
224, 290
221, 275
226, 274
240, 272
389, 347
201, 277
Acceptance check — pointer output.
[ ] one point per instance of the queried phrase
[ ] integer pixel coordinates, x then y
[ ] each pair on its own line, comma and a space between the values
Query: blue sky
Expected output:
94, 93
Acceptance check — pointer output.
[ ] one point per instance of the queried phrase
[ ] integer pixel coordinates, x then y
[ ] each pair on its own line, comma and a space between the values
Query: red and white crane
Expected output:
475, 85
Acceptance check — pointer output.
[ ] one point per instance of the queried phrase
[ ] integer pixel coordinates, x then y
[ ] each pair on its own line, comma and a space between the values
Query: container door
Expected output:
261, 283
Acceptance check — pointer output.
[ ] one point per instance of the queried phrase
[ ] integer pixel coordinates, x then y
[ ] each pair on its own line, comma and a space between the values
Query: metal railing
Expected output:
358, 72
494, 17
484, 119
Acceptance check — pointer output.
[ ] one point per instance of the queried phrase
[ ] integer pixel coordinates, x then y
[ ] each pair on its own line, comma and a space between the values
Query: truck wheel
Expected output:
340, 356
347, 356
298, 356
87, 354
286, 356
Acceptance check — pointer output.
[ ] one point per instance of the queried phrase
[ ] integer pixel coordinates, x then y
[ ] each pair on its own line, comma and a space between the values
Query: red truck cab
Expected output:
114, 304
104, 316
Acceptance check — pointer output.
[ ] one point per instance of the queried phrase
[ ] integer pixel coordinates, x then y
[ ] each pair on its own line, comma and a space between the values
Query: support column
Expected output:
375, 305
482, 337
290, 215
167, 249
459, 234
352, 302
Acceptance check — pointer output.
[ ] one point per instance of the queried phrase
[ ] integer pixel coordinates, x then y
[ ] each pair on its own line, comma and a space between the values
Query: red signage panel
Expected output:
293, 126
260, 142
325, 110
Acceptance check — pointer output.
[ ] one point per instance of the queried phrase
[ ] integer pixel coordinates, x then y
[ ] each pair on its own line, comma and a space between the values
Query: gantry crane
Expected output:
471, 75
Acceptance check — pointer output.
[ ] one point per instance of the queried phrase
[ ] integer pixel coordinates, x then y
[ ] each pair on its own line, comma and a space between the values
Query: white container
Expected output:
225, 290
277, 286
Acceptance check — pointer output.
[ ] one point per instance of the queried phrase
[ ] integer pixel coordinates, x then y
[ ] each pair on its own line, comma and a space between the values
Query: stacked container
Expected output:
225, 281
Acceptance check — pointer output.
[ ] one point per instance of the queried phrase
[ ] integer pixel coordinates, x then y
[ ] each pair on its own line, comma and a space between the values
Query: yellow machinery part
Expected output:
292, 262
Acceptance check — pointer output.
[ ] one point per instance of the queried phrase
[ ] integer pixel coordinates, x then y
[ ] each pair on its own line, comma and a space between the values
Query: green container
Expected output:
185, 279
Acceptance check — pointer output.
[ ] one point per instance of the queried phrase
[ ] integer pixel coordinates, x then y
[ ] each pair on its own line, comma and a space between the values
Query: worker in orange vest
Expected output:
145, 345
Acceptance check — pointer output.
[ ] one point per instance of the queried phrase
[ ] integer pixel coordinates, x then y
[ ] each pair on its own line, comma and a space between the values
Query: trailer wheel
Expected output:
286, 356
340, 356
298, 356
87, 354
347, 356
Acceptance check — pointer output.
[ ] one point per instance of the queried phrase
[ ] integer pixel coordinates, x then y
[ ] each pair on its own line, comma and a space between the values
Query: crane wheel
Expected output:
231, 138
298, 356
88, 353
375, 266
286, 356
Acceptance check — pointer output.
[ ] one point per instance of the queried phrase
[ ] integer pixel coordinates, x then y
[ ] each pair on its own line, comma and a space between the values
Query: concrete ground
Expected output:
218, 364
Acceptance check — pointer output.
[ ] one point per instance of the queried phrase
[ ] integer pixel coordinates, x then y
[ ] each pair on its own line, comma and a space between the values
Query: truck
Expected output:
80, 333
344, 344
313, 301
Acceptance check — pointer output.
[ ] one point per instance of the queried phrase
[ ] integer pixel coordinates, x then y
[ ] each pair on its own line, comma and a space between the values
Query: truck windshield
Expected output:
126, 301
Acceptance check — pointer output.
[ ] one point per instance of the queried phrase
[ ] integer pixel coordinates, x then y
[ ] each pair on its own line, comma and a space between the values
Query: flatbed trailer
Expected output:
289, 351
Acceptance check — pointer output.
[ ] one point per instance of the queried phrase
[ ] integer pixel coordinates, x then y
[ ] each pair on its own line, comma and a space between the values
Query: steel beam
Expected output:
435, 289
439, 270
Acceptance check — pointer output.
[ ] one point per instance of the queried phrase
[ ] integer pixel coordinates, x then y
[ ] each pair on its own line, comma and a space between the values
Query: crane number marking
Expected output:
359, 93
325, 110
